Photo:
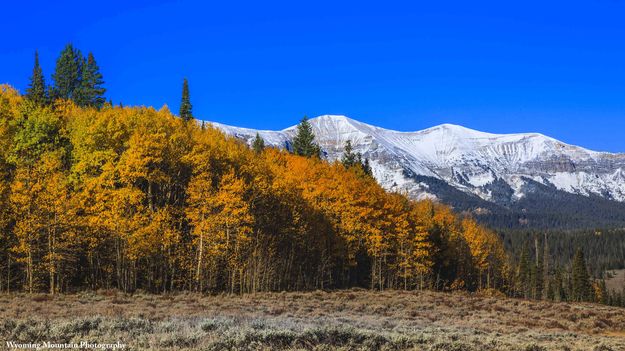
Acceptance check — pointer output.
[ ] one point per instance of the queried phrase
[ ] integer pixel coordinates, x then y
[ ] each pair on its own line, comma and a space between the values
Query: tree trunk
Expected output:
198, 275
30, 266
8, 273
51, 261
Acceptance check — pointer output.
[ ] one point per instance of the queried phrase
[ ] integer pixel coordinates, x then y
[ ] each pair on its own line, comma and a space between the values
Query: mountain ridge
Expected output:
497, 168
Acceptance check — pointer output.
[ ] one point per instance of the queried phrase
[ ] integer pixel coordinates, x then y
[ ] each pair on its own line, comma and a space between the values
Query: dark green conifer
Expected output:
259, 144
558, 288
366, 167
68, 73
36, 91
349, 157
533, 277
304, 141
185, 103
581, 287
91, 90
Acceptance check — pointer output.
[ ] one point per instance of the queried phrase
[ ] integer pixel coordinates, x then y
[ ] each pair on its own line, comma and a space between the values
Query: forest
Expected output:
135, 198
101, 196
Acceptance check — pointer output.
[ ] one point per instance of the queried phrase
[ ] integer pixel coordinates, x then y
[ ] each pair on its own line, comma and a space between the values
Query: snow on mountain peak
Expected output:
455, 129
467, 159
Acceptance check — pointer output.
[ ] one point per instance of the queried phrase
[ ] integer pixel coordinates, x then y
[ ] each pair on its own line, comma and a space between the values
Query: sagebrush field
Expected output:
344, 320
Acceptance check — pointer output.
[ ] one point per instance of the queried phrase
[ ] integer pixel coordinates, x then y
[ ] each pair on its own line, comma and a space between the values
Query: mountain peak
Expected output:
465, 132
458, 130
469, 160
332, 117
336, 120
338, 127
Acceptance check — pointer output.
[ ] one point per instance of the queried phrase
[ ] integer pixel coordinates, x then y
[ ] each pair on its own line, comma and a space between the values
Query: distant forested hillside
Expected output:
605, 247
542, 208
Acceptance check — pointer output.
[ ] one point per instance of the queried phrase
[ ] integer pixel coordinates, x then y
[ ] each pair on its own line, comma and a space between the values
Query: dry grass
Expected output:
348, 320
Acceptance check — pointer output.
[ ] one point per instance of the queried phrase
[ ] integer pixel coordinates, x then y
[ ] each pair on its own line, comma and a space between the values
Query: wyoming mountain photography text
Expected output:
325, 175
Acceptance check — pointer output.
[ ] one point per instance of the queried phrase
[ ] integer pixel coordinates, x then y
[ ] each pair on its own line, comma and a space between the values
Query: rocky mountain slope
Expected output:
451, 162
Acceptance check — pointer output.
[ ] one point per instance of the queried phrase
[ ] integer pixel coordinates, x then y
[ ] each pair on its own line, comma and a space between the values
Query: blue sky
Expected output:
555, 67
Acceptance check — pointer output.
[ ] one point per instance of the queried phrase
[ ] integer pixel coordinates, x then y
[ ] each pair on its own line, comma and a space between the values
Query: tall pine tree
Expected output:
304, 142
36, 91
349, 157
366, 167
259, 144
558, 286
91, 90
68, 73
185, 103
582, 289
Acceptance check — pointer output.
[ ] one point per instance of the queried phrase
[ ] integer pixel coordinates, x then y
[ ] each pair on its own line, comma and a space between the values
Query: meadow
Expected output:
340, 320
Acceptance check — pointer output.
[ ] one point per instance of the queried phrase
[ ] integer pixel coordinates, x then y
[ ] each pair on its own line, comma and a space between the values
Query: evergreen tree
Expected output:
304, 142
349, 158
558, 289
80, 95
68, 73
91, 91
37, 87
581, 287
185, 104
533, 278
366, 167
259, 144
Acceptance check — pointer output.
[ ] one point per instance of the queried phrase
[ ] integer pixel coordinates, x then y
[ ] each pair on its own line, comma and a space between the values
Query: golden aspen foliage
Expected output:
134, 198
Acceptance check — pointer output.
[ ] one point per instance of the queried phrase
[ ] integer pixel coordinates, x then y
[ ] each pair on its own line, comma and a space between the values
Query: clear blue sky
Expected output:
555, 67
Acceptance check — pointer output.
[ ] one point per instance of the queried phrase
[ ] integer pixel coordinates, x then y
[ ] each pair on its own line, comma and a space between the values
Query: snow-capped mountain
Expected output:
498, 168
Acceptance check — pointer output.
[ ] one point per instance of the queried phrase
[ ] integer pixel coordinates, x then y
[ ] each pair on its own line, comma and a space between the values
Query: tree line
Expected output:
553, 265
